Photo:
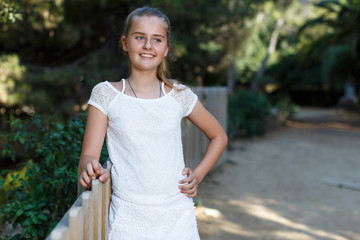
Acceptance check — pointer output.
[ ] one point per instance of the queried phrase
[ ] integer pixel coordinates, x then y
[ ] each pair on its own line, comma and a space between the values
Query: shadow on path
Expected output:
277, 186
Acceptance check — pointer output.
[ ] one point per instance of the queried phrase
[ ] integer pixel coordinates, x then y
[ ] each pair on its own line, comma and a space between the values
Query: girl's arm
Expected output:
208, 124
89, 166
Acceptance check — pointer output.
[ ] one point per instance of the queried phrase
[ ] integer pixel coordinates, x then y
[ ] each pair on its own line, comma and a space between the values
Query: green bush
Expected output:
38, 200
27, 89
248, 112
283, 108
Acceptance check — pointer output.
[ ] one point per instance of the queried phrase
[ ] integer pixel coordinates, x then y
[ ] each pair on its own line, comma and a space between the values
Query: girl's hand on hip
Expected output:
190, 183
93, 171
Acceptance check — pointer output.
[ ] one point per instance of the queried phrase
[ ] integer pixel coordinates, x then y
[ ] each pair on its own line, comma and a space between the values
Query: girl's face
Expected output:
146, 43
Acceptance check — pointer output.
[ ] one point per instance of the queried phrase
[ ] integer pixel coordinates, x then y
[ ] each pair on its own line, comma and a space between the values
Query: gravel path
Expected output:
299, 182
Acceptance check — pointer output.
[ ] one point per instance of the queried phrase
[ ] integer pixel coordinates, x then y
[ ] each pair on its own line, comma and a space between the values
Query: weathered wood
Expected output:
60, 233
62, 227
99, 211
85, 196
106, 202
76, 222
96, 189
194, 141
91, 223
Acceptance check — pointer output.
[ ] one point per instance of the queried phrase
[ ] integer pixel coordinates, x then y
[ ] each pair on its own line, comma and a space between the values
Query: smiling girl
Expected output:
141, 116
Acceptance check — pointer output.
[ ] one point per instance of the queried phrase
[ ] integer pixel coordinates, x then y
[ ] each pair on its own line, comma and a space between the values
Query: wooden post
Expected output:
60, 234
99, 211
97, 190
106, 195
91, 216
76, 222
88, 219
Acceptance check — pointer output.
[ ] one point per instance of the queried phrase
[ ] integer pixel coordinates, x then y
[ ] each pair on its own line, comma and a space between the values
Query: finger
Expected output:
104, 177
82, 182
188, 186
189, 190
97, 167
86, 178
186, 171
188, 179
192, 195
90, 171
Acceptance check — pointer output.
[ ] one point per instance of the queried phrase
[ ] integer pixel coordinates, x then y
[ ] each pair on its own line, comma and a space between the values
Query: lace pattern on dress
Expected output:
101, 96
186, 98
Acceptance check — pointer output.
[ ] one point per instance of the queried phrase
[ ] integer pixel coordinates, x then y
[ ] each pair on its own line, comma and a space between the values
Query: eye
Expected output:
139, 38
157, 40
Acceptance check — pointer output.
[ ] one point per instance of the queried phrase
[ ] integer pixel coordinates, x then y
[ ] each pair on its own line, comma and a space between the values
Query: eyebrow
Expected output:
156, 35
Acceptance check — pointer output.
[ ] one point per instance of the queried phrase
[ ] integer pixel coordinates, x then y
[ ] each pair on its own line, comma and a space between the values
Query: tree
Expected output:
338, 49
9, 12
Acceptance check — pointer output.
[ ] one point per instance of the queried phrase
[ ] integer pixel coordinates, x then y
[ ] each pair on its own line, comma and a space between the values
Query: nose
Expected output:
147, 44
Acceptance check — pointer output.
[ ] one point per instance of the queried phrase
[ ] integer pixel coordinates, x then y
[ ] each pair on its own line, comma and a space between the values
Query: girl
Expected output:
152, 190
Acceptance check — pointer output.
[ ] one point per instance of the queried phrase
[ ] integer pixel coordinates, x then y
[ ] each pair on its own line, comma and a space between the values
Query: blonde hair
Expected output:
162, 71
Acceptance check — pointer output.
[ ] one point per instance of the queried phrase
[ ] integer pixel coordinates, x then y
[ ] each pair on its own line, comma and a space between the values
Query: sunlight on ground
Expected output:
292, 235
217, 223
264, 213
221, 223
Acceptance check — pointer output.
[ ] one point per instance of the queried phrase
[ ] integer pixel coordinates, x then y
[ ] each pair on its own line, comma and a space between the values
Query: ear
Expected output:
124, 43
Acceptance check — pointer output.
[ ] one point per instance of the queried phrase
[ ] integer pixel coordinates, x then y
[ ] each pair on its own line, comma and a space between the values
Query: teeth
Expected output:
146, 55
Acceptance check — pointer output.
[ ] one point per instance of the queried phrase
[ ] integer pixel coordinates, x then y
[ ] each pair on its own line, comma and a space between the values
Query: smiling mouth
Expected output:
147, 55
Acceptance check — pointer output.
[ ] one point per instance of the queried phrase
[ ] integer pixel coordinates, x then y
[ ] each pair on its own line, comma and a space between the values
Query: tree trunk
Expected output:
271, 49
232, 76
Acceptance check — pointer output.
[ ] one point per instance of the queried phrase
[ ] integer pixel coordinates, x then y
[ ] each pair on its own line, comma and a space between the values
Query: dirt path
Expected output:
286, 185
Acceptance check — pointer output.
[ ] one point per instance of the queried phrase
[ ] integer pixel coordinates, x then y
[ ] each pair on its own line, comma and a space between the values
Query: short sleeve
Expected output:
101, 96
186, 98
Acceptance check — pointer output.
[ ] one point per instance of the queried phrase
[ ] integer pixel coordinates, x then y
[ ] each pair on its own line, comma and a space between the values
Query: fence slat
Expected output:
106, 202
76, 222
85, 202
61, 233
95, 191
194, 141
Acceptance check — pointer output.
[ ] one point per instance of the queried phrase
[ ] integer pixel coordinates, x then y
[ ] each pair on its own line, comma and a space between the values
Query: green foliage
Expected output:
248, 113
260, 28
338, 48
12, 87
49, 186
9, 11
338, 65
283, 108
64, 52
59, 92
206, 35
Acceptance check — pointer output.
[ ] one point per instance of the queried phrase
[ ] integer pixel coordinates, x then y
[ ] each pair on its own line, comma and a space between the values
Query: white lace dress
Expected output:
144, 144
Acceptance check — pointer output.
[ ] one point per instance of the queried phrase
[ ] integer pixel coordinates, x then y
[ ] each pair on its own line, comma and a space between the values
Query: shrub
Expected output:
248, 112
49, 186
283, 108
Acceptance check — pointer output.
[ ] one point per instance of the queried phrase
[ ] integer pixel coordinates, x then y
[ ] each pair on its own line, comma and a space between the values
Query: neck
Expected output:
143, 80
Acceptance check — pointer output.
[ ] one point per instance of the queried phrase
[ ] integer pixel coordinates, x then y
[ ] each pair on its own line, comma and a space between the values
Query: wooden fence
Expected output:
194, 141
88, 216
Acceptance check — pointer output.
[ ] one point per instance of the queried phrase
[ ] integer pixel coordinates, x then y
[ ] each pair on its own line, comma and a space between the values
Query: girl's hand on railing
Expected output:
93, 170
189, 185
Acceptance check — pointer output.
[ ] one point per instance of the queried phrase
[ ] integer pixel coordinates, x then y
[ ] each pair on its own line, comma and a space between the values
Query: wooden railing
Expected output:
88, 216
